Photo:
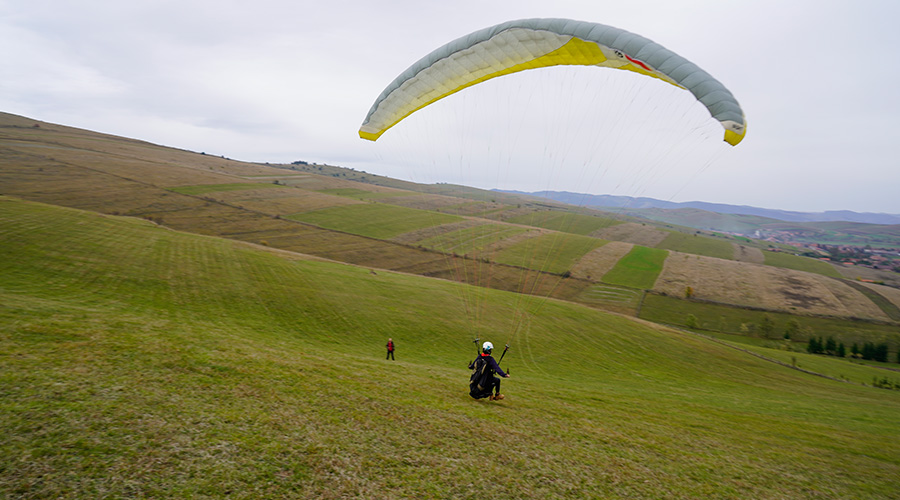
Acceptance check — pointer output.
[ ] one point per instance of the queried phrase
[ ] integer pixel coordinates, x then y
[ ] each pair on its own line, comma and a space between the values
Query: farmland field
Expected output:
698, 245
599, 261
890, 293
743, 321
216, 188
361, 194
766, 287
639, 268
374, 220
551, 252
474, 240
567, 222
790, 261
630, 232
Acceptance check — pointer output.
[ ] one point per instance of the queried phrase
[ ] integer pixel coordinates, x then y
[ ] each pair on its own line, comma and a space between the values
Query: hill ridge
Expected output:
629, 202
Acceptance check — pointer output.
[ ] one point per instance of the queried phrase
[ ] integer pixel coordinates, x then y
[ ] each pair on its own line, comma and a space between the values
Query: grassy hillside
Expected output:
702, 219
499, 240
742, 321
374, 220
554, 252
568, 222
790, 261
698, 245
637, 269
142, 362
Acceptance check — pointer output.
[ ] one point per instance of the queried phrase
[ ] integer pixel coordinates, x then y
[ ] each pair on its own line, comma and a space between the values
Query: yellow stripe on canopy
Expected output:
538, 43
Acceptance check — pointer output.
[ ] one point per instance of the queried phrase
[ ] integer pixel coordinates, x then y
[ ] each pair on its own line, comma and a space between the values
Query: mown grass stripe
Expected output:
375, 220
550, 252
698, 245
639, 268
216, 188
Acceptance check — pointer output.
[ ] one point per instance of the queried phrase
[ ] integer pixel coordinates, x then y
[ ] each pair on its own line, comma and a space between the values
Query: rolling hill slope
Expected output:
144, 362
488, 239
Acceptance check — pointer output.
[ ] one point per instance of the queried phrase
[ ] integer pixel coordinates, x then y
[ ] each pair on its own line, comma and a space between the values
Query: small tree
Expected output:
688, 292
813, 347
691, 321
767, 326
830, 346
881, 352
792, 328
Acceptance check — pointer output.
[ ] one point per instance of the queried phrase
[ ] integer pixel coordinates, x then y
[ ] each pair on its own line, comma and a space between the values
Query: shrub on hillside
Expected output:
691, 321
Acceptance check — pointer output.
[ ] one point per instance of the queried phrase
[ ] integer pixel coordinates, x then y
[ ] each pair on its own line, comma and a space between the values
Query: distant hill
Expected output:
632, 203
833, 228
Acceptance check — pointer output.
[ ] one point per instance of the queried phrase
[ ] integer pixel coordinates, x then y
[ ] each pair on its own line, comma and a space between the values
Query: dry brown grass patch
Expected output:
631, 232
599, 261
753, 285
413, 237
857, 272
284, 201
890, 293
748, 254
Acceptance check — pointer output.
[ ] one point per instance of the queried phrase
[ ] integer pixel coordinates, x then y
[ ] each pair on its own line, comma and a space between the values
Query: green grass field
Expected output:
698, 245
790, 261
566, 222
612, 297
551, 252
364, 195
851, 370
639, 268
890, 309
742, 321
374, 220
215, 188
471, 240
140, 362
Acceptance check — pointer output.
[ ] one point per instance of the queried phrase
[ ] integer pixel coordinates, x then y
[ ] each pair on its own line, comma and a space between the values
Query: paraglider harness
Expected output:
480, 380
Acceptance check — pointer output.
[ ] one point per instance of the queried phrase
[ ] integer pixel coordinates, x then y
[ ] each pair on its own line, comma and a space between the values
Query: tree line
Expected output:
830, 347
816, 345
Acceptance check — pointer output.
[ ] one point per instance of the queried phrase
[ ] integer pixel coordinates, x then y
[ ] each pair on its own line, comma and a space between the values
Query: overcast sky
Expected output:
286, 80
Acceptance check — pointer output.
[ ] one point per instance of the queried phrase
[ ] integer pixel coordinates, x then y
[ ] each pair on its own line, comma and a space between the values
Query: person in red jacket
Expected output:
483, 383
390, 350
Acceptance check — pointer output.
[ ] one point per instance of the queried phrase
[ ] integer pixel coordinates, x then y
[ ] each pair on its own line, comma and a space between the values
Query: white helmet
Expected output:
487, 347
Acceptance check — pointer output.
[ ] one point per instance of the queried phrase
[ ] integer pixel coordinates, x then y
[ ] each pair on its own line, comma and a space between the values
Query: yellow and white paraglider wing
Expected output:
536, 43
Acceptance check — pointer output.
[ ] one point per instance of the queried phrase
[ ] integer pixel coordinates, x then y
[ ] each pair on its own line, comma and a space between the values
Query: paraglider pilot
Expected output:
483, 383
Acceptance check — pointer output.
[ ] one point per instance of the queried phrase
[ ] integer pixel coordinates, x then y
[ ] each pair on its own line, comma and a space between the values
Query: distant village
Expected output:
887, 259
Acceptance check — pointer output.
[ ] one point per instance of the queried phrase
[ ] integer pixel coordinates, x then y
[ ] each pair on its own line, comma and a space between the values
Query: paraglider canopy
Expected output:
516, 46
